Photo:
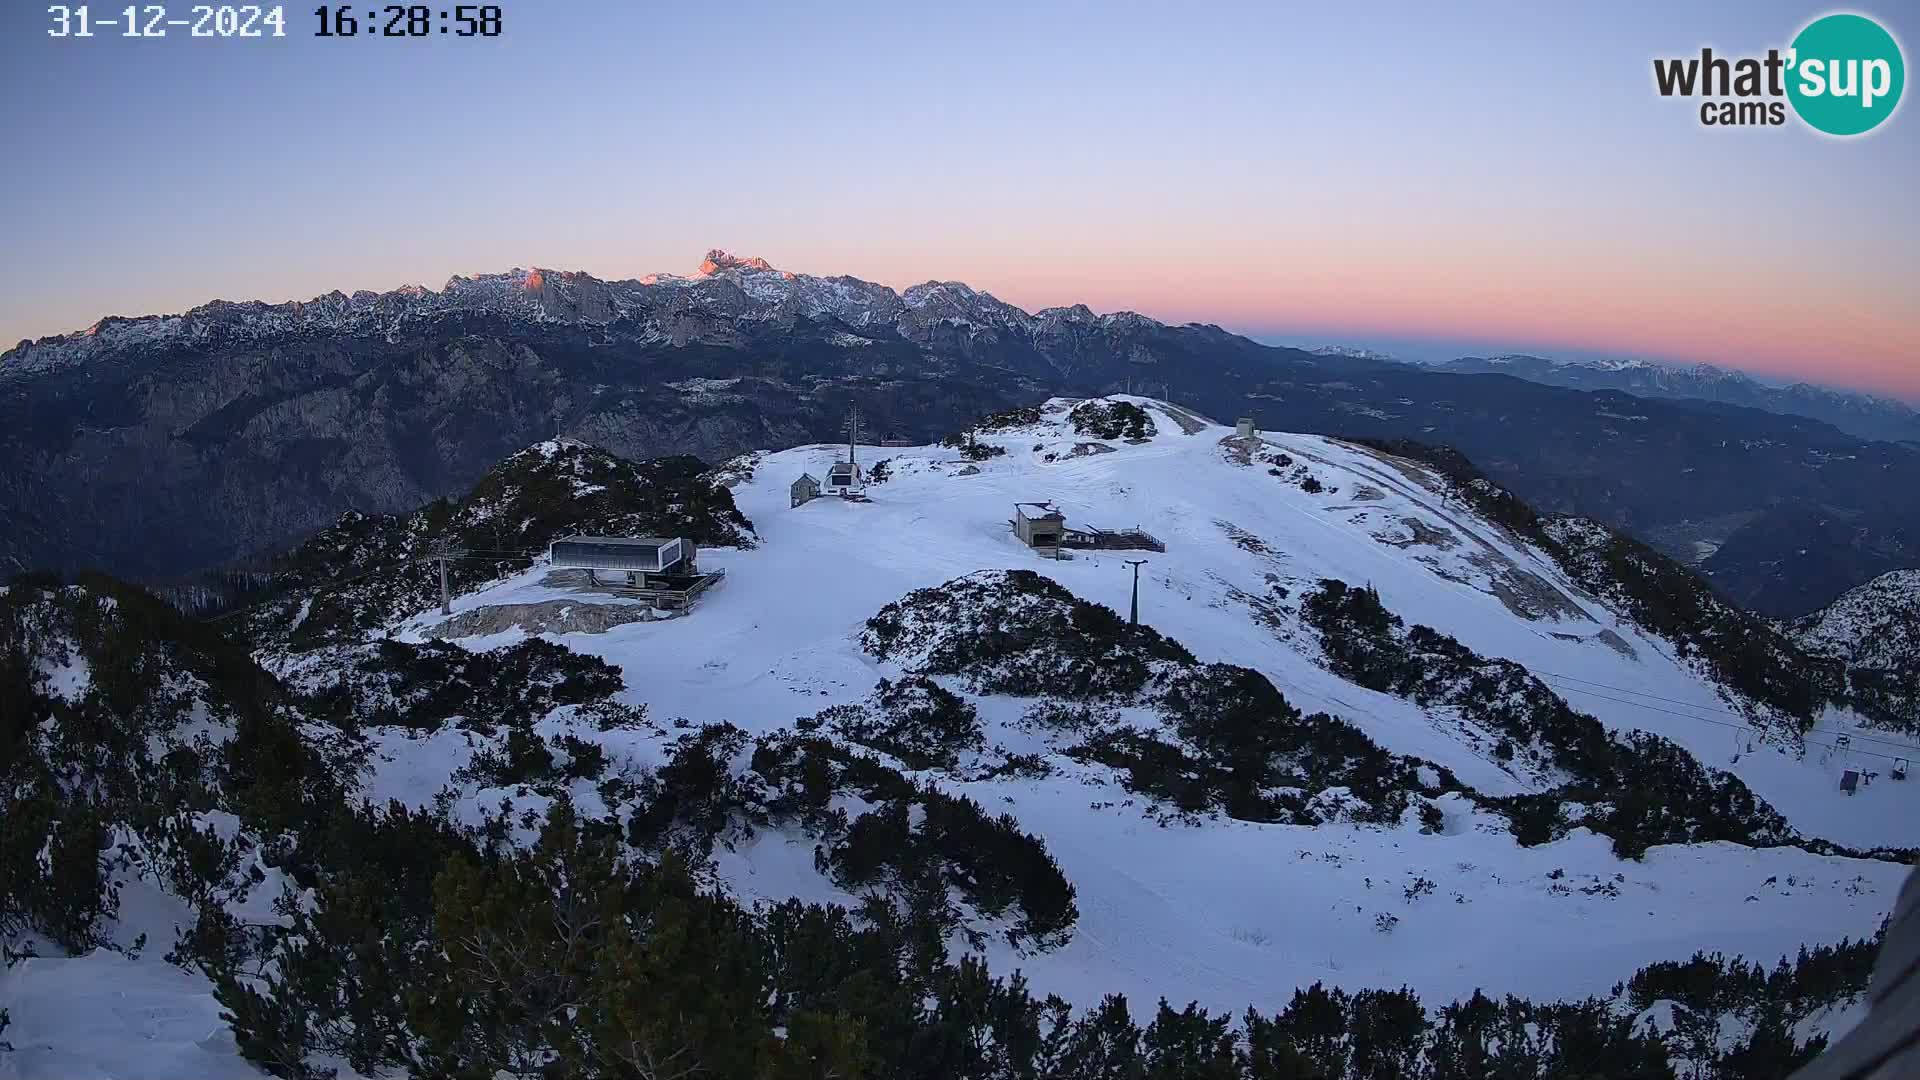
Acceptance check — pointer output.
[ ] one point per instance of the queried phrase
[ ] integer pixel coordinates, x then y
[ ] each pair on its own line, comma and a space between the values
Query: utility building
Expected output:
806, 489
1042, 527
1243, 428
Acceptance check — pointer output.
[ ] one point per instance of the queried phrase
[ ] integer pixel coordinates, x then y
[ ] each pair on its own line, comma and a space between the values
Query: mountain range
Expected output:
1868, 416
158, 447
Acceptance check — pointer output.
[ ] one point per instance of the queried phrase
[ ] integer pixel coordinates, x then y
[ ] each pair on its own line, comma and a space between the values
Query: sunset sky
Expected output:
1432, 177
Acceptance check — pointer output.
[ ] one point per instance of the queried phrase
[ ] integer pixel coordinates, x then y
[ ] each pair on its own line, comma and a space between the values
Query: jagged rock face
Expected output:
153, 447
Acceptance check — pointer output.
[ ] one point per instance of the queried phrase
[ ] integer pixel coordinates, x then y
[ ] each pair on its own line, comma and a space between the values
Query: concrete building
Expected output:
1243, 428
634, 556
1039, 524
661, 570
1042, 527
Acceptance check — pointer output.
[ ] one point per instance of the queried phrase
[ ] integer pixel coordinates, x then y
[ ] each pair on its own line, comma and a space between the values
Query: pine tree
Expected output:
1189, 1045
1105, 1044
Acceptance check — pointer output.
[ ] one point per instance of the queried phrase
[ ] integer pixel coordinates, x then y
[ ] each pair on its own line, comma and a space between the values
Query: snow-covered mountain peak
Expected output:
719, 260
1371, 730
1875, 625
1251, 528
706, 305
1351, 352
928, 292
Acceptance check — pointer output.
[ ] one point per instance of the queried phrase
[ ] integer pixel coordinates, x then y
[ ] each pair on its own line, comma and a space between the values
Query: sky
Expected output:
1475, 176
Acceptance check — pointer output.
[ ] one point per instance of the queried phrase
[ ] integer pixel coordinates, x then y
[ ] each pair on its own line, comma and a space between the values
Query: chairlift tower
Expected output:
1134, 617
443, 553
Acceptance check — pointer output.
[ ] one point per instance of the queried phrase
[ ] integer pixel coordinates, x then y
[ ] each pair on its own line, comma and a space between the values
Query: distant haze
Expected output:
1314, 173
1441, 350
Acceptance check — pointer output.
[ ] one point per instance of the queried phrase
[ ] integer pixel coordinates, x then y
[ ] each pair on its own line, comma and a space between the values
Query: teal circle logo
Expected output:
1845, 74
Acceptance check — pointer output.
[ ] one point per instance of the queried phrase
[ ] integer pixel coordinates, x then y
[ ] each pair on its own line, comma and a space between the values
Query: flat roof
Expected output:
633, 541
649, 553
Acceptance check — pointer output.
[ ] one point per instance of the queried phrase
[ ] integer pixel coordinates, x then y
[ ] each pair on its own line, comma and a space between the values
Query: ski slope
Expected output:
1222, 912
1232, 913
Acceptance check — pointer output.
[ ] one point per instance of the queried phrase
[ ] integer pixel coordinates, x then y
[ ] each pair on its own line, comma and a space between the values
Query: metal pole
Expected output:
442, 554
1134, 619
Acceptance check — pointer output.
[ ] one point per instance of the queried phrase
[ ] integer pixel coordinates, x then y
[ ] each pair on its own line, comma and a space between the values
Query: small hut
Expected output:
805, 489
1243, 428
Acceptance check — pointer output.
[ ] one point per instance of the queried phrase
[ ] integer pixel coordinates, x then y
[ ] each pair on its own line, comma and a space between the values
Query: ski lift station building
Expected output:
632, 555
1042, 527
844, 478
662, 571
1038, 524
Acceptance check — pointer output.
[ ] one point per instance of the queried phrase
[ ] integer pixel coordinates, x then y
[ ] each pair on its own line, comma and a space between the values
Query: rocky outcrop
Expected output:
547, 617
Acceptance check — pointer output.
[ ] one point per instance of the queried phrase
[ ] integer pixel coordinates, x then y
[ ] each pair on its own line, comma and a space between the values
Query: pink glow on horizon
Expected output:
1243, 164
1847, 333
1770, 328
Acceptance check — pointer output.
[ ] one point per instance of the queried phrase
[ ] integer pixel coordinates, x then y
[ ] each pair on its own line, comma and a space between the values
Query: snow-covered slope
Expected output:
1874, 632
1193, 905
1215, 911
1876, 625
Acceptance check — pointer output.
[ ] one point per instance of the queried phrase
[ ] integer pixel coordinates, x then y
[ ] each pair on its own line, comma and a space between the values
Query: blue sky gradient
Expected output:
1499, 174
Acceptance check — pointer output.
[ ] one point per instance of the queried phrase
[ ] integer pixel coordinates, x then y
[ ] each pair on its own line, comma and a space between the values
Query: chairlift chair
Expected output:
1839, 743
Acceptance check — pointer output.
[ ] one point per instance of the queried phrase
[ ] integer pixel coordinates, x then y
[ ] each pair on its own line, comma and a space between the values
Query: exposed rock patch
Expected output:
546, 617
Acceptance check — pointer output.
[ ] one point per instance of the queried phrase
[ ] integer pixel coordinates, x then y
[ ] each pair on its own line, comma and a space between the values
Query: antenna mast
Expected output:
853, 431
